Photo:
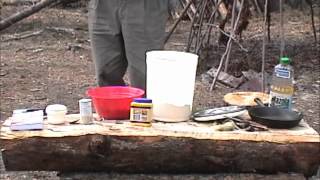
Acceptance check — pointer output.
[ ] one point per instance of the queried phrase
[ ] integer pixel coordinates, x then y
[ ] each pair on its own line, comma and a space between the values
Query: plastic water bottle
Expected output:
282, 85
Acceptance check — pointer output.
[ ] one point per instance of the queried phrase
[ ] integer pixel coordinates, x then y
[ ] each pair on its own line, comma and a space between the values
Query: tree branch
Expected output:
21, 36
5, 23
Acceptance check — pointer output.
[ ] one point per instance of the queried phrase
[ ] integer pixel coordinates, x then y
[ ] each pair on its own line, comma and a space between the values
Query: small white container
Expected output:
85, 107
56, 113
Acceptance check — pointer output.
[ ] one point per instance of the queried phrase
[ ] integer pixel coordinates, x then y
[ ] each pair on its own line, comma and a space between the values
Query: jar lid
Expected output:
285, 60
85, 100
56, 107
142, 100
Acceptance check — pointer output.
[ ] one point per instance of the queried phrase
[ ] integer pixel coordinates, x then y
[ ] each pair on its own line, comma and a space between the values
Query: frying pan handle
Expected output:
259, 102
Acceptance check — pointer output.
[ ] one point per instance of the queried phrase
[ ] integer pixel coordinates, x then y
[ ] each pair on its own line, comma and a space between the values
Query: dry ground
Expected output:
49, 68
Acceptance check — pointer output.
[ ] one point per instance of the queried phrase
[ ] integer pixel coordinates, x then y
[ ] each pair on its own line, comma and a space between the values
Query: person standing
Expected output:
121, 32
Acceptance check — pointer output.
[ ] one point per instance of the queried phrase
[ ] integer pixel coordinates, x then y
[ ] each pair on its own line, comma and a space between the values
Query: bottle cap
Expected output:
285, 60
85, 100
142, 100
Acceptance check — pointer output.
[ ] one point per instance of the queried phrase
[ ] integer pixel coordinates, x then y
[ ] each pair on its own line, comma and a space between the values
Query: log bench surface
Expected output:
186, 147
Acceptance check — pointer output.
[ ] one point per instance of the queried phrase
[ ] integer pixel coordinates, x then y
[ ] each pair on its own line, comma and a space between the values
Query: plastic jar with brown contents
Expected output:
141, 112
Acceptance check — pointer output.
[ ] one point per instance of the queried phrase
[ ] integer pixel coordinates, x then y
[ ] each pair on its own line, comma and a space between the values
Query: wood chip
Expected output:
3, 73
35, 90
40, 98
250, 75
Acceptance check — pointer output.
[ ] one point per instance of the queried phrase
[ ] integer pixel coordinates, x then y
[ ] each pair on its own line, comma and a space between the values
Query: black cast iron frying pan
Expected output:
274, 117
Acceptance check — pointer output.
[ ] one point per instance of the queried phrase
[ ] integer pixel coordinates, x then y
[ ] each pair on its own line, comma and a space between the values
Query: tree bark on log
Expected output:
218, 176
5, 23
158, 154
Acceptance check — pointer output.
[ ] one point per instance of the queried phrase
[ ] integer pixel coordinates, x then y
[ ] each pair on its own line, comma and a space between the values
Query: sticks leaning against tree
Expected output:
194, 26
191, 11
185, 10
209, 29
228, 49
211, 20
192, 32
211, 25
200, 21
202, 13
234, 40
231, 35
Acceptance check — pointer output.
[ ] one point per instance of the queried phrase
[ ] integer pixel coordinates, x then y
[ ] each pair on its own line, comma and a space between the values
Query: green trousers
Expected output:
121, 32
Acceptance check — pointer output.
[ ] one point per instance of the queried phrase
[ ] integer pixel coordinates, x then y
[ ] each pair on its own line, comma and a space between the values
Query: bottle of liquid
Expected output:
282, 85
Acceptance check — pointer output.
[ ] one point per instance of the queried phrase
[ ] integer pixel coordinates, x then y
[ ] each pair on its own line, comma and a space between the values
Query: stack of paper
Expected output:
27, 121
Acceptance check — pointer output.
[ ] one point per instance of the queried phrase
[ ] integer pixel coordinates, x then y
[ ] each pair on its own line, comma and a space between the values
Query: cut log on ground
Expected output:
163, 148
158, 155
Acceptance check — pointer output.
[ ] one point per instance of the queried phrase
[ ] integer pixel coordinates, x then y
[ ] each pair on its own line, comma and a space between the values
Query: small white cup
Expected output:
56, 113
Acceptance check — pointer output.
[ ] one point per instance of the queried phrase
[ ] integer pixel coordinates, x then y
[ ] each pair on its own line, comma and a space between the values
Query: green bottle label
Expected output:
281, 100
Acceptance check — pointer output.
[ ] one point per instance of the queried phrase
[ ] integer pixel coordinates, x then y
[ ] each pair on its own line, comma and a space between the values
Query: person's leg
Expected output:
143, 26
107, 42
109, 58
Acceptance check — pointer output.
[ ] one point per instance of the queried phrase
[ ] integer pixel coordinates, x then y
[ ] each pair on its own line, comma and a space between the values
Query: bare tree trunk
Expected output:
7, 22
282, 46
264, 44
268, 21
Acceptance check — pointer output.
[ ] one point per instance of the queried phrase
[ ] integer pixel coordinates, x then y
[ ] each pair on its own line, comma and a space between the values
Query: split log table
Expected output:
186, 147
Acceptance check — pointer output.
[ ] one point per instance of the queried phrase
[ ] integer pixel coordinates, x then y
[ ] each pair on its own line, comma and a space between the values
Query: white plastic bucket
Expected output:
170, 84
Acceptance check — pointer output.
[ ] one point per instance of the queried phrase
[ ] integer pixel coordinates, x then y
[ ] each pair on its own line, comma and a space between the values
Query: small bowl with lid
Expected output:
56, 113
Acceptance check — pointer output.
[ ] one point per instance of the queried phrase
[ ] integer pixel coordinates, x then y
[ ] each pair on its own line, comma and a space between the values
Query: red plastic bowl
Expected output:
113, 102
